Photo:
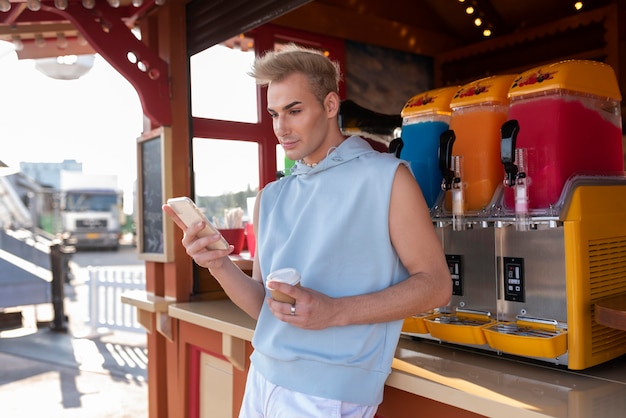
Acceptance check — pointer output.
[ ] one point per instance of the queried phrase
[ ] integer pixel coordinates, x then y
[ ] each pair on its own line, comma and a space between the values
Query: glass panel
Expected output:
220, 86
280, 158
97, 201
226, 174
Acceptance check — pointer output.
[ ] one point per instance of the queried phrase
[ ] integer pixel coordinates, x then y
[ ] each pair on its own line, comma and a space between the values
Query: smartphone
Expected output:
189, 213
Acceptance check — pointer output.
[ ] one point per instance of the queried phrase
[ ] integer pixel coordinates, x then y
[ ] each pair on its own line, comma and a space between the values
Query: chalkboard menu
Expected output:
153, 176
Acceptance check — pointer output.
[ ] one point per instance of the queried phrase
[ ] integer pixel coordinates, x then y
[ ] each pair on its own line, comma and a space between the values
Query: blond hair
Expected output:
322, 73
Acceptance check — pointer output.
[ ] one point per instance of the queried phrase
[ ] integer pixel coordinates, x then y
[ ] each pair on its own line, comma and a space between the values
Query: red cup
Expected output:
251, 239
234, 236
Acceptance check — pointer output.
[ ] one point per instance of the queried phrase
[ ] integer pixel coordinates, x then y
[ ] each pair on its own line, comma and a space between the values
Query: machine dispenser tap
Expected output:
446, 140
509, 132
458, 199
452, 171
514, 161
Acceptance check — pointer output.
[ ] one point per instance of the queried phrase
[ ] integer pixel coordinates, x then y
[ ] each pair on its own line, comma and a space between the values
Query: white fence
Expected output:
106, 285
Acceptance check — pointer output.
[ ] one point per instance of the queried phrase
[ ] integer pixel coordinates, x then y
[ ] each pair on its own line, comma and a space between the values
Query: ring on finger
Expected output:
293, 310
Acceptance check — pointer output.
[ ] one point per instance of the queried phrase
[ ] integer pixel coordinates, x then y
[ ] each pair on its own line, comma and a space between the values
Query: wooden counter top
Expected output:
219, 315
475, 381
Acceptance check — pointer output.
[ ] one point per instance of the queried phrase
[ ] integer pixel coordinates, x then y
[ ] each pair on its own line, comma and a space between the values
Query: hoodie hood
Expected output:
351, 148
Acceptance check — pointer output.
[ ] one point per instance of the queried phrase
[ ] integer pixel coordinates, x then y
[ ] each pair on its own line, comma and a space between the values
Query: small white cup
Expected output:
286, 275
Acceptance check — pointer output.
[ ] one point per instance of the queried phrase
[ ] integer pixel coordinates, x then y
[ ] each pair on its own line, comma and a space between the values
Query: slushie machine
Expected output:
532, 215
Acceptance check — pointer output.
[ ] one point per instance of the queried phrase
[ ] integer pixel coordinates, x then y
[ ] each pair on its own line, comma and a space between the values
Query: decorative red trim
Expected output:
105, 29
194, 381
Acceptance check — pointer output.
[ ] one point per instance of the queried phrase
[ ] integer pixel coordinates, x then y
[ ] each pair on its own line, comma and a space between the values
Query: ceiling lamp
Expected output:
66, 67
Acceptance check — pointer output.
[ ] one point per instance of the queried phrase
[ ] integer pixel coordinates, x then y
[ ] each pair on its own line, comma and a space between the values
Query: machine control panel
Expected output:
455, 266
514, 279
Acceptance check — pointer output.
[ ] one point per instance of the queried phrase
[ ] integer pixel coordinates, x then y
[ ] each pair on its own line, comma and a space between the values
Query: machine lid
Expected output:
430, 102
581, 76
486, 90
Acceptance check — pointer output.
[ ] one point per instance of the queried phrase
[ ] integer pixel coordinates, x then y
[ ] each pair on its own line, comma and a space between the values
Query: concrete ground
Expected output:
78, 373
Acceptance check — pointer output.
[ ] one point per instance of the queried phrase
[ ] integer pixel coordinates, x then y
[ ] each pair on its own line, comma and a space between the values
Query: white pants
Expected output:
263, 399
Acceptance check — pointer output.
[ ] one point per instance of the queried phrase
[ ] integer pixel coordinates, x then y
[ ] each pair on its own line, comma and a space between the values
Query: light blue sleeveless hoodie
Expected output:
331, 223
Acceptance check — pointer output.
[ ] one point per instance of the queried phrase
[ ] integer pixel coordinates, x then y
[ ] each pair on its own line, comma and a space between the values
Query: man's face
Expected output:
300, 121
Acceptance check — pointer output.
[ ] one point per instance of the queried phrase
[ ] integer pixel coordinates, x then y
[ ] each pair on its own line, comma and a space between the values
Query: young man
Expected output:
355, 225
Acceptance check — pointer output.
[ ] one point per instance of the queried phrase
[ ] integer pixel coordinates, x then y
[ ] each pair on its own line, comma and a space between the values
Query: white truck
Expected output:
91, 210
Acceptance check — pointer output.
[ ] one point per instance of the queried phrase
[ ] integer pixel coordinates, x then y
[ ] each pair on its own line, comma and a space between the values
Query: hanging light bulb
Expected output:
81, 40
33, 5
61, 40
17, 43
89, 4
60, 4
40, 42
5, 5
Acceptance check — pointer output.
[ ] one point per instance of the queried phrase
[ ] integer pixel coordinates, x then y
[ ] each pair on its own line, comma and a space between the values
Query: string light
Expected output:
81, 40
40, 42
60, 4
17, 42
478, 19
578, 5
61, 40
5, 5
33, 5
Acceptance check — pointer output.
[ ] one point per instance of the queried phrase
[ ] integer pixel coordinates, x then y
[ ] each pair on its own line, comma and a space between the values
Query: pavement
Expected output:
77, 372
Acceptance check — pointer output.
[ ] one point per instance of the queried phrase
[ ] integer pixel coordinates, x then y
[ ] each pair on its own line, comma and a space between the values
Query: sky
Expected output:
97, 119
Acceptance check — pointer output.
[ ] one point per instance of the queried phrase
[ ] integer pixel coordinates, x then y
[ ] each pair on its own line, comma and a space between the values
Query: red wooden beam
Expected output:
105, 29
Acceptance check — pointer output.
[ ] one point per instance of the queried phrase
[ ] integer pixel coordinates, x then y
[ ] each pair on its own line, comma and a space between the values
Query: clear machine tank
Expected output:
424, 118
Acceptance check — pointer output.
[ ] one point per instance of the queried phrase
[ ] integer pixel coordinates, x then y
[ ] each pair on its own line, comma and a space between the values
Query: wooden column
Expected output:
165, 33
